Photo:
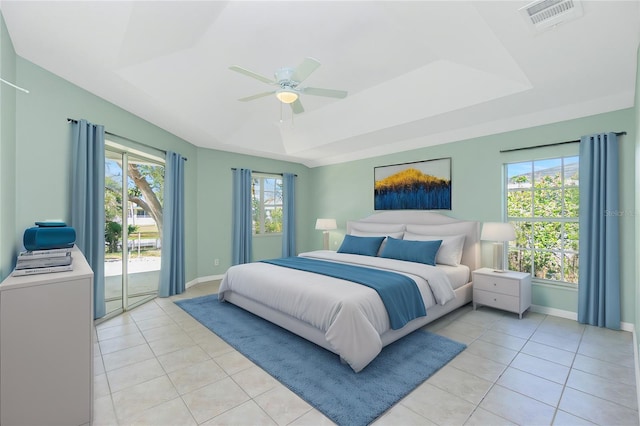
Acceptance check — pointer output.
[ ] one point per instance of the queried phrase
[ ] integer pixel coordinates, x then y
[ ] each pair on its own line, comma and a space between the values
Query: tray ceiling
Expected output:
417, 73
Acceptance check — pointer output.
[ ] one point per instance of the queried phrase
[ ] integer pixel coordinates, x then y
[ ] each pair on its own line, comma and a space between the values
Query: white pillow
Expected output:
450, 252
358, 233
378, 228
443, 229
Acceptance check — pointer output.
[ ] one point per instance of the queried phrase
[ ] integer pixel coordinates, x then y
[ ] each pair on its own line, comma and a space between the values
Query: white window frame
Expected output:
562, 250
258, 194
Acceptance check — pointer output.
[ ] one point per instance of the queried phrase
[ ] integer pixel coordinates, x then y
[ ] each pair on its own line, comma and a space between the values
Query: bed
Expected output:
350, 319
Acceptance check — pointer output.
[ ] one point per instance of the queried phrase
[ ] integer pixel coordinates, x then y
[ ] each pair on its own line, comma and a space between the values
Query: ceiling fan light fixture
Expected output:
286, 96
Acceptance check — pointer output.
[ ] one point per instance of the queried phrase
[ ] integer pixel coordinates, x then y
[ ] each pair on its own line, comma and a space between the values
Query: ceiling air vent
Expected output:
543, 14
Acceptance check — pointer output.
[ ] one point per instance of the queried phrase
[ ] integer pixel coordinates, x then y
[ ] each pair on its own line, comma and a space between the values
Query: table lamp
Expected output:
499, 233
325, 225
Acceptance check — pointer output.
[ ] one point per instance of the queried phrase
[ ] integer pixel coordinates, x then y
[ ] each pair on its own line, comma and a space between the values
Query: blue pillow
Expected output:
367, 246
412, 251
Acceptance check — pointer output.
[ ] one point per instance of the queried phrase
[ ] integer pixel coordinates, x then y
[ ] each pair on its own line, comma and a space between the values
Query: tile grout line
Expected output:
146, 342
539, 326
227, 375
166, 373
505, 369
564, 386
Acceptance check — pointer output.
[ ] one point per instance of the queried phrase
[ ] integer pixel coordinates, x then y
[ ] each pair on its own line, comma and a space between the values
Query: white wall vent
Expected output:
544, 14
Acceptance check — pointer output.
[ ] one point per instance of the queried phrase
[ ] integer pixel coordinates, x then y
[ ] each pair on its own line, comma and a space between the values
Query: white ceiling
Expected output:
418, 73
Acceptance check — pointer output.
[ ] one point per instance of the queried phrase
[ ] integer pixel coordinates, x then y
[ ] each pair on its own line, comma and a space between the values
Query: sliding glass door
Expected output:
133, 227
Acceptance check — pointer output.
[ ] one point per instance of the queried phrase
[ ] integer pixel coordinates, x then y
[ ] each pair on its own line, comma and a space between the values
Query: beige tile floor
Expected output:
155, 365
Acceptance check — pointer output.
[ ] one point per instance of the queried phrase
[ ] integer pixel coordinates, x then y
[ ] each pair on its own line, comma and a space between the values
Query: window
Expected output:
542, 203
267, 204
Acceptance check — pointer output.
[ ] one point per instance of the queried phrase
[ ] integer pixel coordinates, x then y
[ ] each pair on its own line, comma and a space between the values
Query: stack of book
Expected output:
43, 262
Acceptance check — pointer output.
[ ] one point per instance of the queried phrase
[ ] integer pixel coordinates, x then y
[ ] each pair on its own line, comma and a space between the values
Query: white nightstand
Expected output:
509, 291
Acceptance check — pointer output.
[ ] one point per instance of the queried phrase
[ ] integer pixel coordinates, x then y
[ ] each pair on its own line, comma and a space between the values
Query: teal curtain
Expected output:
599, 270
288, 214
87, 201
172, 269
242, 217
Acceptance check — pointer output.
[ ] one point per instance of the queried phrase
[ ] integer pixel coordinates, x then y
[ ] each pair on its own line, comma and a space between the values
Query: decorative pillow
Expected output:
367, 246
412, 251
377, 234
450, 252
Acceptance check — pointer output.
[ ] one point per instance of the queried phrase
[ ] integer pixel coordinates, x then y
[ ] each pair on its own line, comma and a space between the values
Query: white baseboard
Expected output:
203, 280
624, 326
554, 312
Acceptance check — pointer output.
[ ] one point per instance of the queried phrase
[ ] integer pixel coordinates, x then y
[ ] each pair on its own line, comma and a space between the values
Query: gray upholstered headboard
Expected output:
423, 222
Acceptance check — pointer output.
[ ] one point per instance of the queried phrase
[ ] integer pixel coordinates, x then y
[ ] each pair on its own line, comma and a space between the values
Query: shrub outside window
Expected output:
542, 200
267, 204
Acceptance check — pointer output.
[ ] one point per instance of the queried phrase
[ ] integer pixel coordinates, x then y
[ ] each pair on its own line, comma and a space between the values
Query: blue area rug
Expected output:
317, 375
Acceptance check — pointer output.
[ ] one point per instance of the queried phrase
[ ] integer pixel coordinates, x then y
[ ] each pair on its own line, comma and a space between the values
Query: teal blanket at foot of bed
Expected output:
399, 293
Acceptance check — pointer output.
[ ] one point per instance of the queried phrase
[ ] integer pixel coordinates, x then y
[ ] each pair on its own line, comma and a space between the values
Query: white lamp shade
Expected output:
498, 231
286, 96
326, 224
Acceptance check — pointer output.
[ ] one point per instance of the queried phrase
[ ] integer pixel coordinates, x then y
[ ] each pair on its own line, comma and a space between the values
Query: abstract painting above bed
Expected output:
422, 185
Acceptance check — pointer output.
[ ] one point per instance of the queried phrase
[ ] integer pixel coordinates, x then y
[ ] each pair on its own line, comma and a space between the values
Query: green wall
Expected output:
43, 148
215, 208
7, 152
35, 160
347, 189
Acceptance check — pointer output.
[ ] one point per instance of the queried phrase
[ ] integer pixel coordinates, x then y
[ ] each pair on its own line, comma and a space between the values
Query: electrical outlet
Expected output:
216, 262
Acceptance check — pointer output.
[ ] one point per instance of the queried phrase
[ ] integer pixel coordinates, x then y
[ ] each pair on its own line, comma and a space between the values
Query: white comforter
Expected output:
351, 315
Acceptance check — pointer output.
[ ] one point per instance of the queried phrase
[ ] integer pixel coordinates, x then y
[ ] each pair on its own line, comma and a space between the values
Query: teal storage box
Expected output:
49, 237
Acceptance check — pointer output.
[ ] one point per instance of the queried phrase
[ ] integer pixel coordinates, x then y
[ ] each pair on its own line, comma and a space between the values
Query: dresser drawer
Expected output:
496, 300
496, 284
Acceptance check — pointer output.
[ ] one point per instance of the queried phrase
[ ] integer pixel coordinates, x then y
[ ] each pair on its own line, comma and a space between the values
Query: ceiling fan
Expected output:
287, 81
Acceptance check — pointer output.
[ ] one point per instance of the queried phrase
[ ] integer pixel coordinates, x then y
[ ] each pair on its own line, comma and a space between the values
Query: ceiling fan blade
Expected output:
252, 74
296, 107
325, 92
259, 95
305, 69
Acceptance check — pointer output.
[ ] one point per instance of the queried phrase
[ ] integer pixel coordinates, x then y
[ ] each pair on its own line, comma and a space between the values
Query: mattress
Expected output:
458, 275
352, 317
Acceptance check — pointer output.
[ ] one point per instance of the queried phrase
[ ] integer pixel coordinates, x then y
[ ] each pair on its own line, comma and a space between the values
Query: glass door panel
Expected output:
144, 226
133, 232
113, 269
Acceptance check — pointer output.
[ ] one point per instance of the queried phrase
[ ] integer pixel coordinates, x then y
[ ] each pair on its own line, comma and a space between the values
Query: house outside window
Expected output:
542, 202
267, 204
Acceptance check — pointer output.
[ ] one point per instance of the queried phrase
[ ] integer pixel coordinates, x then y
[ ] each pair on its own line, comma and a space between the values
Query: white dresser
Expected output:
46, 347
509, 291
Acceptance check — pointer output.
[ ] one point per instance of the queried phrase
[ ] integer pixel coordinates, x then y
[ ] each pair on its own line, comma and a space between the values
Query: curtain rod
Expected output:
266, 173
69, 120
550, 144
